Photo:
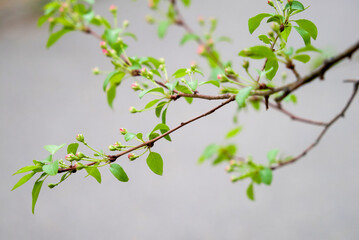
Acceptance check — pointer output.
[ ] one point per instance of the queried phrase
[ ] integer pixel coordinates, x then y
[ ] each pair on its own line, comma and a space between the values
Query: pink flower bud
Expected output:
112, 8
149, 19
70, 157
96, 71
201, 49
219, 76
107, 53
123, 131
200, 20
132, 156
143, 70
132, 110
270, 3
151, 4
103, 44
80, 138
135, 86
50, 20
232, 162
125, 23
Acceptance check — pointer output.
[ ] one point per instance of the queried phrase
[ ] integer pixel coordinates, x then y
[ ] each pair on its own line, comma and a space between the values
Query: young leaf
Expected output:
35, 193
308, 48
114, 77
257, 52
308, 26
155, 163
254, 22
118, 172
72, 148
94, 172
51, 168
143, 93
264, 39
53, 148
250, 192
193, 85
271, 68
54, 37
111, 94
304, 34
27, 169
180, 73
266, 175
271, 156
213, 82
111, 35
242, 96
151, 103
208, 152
285, 33
159, 108
23, 180
162, 28
234, 132
48, 159
129, 136
304, 58
188, 37
186, 2
164, 115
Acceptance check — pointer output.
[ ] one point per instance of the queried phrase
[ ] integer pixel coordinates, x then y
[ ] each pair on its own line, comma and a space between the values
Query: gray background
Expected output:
48, 96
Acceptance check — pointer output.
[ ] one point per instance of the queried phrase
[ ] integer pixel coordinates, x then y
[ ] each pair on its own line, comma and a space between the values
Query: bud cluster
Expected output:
117, 146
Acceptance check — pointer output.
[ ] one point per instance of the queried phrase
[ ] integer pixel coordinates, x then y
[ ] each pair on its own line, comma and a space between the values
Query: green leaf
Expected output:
180, 73
48, 159
111, 95
233, 132
254, 22
290, 98
272, 156
88, 16
129, 136
54, 37
276, 18
164, 114
155, 163
183, 89
308, 26
94, 172
188, 37
162, 28
224, 39
118, 172
23, 180
163, 129
143, 93
242, 96
131, 35
114, 77
264, 39
250, 192
51, 168
286, 32
208, 152
186, 2
53, 148
35, 193
27, 169
308, 48
304, 34
159, 108
213, 82
72, 148
257, 52
111, 35
139, 136
271, 68
266, 175
151, 103
295, 5
193, 85
304, 58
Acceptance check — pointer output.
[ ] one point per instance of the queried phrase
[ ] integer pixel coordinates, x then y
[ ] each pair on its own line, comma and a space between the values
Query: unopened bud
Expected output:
162, 60
232, 162
132, 156
200, 20
123, 131
193, 66
133, 110
106, 52
96, 71
234, 178
103, 45
151, 4
219, 76
80, 137
275, 27
245, 64
125, 23
201, 49
271, 34
50, 20
112, 148
113, 9
284, 75
270, 3
149, 19
70, 157
80, 155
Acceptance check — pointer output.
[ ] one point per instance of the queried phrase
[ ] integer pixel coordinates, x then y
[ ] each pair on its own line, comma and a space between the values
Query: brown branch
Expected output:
326, 128
150, 143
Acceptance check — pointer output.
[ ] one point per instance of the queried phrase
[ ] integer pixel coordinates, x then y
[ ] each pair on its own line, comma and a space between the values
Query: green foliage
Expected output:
118, 172
155, 163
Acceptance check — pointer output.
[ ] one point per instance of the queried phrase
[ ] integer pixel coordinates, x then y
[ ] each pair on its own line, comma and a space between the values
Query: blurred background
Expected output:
48, 96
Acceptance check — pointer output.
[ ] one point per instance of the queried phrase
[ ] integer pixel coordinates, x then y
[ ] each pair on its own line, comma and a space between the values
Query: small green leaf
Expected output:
266, 175
118, 172
257, 52
272, 155
161, 126
151, 103
111, 95
159, 108
308, 48
188, 37
23, 180
129, 136
242, 96
286, 32
143, 93
131, 35
304, 34
155, 163
180, 73
233, 132
54, 37
193, 85
48, 159
213, 82
164, 115
254, 22
72, 148
51, 168
295, 5
27, 169
183, 89
94, 172
35, 193
162, 28
53, 148
186, 2
208, 152
264, 39
308, 26
304, 58
111, 35
271, 68
250, 192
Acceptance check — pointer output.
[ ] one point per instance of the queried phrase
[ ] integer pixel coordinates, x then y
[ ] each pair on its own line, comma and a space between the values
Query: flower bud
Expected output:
103, 45
133, 110
80, 155
232, 162
275, 27
112, 148
50, 19
200, 20
132, 156
125, 23
113, 9
80, 138
96, 71
151, 4
106, 52
149, 19
193, 66
219, 76
135, 86
245, 64
229, 71
162, 60
284, 75
51, 185
270, 3
234, 178
290, 1
201, 49
70, 157
123, 131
